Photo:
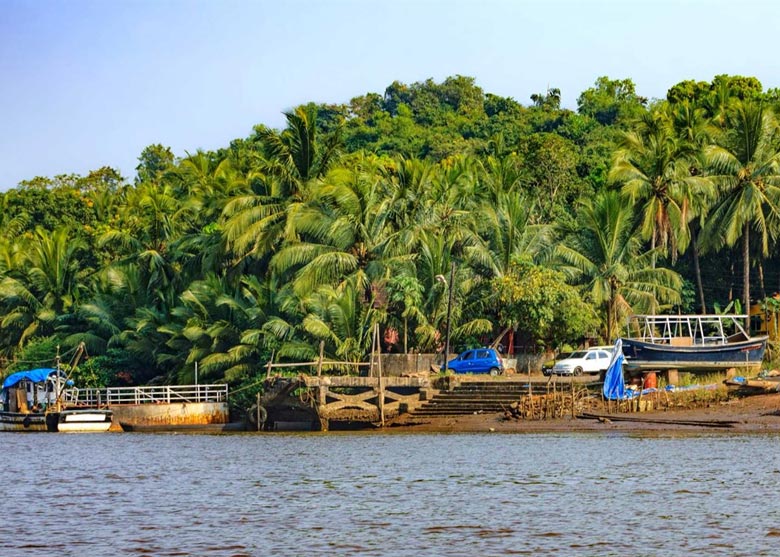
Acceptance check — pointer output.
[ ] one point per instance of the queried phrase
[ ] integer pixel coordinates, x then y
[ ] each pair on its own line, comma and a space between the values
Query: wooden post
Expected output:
319, 362
322, 399
380, 398
572, 397
373, 347
270, 363
381, 393
259, 424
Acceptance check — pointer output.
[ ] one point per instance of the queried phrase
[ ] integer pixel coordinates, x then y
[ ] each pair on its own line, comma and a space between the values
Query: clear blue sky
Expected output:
85, 84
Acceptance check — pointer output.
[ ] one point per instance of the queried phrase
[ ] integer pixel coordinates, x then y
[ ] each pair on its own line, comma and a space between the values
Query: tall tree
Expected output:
746, 166
153, 162
45, 283
342, 231
653, 168
696, 132
604, 256
256, 223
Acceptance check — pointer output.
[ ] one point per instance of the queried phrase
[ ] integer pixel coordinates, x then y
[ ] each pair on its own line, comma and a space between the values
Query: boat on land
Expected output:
690, 342
33, 401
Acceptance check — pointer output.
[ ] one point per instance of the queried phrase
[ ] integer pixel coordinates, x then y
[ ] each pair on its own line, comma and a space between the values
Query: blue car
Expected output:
478, 360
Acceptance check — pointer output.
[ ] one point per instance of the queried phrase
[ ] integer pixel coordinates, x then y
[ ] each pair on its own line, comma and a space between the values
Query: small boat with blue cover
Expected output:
33, 401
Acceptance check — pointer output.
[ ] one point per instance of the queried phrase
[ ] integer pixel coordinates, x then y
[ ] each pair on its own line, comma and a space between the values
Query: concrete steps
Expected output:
477, 397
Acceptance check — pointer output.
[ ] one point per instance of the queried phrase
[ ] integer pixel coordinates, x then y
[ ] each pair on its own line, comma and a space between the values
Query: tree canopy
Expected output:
555, 224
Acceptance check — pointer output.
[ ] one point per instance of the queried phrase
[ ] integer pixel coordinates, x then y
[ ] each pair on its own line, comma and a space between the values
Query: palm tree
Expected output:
696, 132
507, 234
114, 296
604, 256
44, 283
408, 183
340, 318
228, 331
746, 168
653, 167
298, 154
150, 222
256, 223
435, 255
207, 183
342, 233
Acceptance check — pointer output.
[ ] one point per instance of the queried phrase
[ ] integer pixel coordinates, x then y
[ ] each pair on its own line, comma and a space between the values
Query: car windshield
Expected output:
578, 354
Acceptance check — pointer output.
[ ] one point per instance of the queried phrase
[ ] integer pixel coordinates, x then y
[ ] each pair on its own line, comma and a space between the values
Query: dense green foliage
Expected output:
556, 224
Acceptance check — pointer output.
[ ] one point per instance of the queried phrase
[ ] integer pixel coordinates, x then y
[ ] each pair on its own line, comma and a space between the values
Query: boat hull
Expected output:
14, 421
640, 355
80, 420
184, 428
76, 421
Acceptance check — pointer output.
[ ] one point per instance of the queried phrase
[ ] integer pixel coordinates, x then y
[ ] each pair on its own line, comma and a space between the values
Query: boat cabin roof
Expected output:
700, 329
39, 375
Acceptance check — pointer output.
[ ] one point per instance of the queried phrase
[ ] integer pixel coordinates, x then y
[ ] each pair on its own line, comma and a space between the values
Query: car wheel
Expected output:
577, 370
494, 371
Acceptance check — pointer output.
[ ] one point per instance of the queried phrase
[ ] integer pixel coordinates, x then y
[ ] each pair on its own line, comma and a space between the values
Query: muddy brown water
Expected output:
390, 494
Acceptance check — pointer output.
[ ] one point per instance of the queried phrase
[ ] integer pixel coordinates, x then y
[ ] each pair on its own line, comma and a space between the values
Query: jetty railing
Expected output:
164, 394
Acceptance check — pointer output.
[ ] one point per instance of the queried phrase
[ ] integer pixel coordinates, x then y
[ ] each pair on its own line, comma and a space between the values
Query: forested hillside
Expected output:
553, 224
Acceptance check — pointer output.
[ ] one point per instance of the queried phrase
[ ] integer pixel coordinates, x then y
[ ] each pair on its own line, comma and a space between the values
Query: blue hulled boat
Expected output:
690, 342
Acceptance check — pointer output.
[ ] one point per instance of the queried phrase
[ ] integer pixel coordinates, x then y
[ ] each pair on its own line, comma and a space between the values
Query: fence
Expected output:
147, 395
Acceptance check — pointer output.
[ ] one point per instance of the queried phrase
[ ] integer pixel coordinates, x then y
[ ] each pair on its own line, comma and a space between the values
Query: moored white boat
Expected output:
79, 420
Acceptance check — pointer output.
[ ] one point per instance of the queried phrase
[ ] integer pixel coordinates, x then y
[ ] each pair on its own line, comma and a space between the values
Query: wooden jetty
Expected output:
345, 399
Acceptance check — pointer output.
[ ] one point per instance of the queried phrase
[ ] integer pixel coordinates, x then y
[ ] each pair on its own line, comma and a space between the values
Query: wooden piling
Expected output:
259, 410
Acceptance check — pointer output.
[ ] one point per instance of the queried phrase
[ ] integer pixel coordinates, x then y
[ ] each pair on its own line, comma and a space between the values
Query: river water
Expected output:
390, 494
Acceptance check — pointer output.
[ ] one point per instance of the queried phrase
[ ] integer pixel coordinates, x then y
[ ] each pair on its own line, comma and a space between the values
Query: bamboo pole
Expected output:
573, 414
319, 362
270, 365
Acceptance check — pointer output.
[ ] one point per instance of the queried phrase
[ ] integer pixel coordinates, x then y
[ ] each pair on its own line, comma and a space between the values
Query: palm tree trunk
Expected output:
746, 273
697, 270
652, 248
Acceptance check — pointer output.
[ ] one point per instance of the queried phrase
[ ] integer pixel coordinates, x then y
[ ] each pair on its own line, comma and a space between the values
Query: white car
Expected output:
592, 360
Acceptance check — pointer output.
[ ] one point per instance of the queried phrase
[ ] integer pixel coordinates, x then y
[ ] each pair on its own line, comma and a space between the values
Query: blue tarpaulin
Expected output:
35, 375
614, 385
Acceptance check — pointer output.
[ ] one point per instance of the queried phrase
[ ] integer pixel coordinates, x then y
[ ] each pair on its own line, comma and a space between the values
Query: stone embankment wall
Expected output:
396, 365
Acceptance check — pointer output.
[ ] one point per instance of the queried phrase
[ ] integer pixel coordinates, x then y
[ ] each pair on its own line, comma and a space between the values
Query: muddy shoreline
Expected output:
752, 414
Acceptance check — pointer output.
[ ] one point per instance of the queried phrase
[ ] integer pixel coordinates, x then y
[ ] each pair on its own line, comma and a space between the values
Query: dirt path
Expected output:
759, 413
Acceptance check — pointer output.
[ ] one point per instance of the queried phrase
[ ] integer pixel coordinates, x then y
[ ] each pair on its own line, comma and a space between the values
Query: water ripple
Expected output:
399, 495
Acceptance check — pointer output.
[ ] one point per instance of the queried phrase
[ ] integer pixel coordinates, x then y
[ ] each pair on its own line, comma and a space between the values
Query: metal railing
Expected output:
148, 395
701, 329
